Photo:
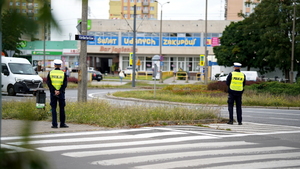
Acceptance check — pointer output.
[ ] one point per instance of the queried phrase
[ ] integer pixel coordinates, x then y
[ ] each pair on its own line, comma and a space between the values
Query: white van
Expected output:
250, 76
18, 76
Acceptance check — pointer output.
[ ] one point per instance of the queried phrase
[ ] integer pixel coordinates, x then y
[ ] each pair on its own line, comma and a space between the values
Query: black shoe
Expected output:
230, 122
64, 126
55, 127
240, 123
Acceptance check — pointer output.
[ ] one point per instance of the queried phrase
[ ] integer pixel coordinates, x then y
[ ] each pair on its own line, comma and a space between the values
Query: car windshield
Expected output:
21, 68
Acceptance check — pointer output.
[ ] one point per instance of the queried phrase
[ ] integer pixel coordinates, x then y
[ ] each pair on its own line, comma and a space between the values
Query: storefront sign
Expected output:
116, 49
104, 40
46, 53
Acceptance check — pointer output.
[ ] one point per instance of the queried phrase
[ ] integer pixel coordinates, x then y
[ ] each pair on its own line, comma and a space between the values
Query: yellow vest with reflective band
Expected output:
57, 78
237, 80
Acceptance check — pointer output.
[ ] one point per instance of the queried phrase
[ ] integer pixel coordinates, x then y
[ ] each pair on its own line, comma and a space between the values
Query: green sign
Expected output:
23, 44
89, 24
46, 53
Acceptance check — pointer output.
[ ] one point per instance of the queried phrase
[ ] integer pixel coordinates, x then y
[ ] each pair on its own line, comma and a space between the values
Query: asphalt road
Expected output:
268, 138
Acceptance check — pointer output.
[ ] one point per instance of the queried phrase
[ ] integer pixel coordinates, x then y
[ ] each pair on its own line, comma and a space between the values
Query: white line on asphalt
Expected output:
106, 138
78, 133
216, 160
156, 148
263, 165
181, 155
119, 144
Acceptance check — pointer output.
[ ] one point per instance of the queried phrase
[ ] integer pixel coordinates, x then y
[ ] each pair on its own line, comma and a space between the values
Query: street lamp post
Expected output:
160, 39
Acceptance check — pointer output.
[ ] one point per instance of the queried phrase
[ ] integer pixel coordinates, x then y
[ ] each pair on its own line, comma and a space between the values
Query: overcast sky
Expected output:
68, 11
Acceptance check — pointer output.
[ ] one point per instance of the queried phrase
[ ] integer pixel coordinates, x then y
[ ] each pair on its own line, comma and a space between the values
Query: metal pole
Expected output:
160, 41
160, 46
44, 52
205, 50
82, 72
134, 46
293, 46
0, 72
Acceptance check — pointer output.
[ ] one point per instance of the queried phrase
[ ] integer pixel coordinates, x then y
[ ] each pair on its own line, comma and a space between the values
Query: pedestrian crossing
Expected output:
167, 147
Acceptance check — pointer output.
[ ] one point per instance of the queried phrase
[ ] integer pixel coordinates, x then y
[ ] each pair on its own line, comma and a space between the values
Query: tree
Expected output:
14, 26
267, 38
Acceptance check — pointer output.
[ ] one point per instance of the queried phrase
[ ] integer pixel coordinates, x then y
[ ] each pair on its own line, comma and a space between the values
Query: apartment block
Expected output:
29, 8
124, 9
233, 7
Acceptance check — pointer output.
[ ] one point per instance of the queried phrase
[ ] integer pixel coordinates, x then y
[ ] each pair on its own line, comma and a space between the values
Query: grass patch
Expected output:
101, 113
197, 94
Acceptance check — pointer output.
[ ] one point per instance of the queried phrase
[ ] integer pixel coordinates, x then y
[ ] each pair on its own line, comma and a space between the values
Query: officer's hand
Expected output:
57, 92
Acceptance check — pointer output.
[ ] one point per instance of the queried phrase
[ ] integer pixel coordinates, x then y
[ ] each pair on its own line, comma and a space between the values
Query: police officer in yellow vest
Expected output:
235, 81
57, 83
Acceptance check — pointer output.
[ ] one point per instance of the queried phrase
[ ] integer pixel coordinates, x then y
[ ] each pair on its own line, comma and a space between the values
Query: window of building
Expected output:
125, 8
23, 10
138, 0
125, 15
247, 5
247, 14
131, 15
138, 16
138, 8
17, 3
23, 3
132, 8
151, 8
36, 5
166, 34
131, 0
125, 0
11, 3
151, 16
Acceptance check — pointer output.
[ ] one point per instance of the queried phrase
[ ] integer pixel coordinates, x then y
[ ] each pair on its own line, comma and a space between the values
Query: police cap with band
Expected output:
57, 62
237, 64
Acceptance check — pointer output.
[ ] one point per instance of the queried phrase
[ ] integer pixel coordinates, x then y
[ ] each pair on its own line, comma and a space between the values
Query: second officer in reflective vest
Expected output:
57, 83
235, 81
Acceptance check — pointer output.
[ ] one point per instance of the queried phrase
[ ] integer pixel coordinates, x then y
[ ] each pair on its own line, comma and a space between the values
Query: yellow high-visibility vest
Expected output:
237, 80
57, 78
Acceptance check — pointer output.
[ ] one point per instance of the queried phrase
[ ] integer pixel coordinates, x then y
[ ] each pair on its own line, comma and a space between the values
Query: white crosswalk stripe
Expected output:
164, 148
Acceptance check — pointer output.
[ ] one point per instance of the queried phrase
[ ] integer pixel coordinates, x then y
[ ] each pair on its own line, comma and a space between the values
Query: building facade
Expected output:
233, 7
124, 9
182, 43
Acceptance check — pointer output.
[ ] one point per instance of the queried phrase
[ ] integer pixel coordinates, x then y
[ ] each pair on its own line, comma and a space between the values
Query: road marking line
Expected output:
217, 160
101, 138
180, 155
119, 144
262, 165
156, 148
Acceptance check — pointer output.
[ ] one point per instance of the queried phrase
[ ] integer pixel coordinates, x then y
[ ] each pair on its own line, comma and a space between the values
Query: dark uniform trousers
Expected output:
62, 103
237, 98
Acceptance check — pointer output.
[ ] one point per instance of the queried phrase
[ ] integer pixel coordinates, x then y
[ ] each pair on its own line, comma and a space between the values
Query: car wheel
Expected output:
98, 80
11, 90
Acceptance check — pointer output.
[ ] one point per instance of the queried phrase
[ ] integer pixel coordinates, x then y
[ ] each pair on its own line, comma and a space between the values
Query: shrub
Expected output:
276, 88
218, 86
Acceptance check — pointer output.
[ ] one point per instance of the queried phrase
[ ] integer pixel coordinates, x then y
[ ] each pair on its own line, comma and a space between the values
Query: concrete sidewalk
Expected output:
15, 127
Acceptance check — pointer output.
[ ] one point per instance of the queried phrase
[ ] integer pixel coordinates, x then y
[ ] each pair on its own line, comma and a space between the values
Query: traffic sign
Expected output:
84, 37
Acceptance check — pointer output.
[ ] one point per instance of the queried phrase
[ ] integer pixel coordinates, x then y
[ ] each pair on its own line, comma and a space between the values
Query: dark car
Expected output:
96, 75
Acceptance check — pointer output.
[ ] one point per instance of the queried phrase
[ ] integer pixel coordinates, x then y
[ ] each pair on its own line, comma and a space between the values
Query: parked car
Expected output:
128, 70
96, 75
149, 71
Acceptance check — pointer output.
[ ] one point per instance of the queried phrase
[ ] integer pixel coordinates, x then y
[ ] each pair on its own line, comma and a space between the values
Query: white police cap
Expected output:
237, 64
57, 62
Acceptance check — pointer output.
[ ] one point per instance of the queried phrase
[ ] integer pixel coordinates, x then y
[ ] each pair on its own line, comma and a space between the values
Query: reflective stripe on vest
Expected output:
57, 78
237, 81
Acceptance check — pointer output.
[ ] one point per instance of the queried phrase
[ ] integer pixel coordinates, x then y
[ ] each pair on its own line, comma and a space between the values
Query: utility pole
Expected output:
0, 71
206, 52
134, 46
293, 46
82, 72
